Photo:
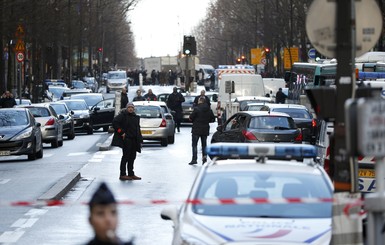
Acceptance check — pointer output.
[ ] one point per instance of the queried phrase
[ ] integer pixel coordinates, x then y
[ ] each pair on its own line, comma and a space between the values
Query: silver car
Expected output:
51, 127
156, 121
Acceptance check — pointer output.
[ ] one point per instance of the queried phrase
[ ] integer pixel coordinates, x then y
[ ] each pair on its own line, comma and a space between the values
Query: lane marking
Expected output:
4, 181
11, 236
24, 223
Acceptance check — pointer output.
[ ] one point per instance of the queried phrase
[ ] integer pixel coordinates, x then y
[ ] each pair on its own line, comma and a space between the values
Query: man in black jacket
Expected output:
174, 102
123, 98
201, 118
128, 137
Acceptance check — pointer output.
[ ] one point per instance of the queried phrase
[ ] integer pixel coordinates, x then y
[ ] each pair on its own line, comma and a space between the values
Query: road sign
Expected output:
290, 55
312, 53
371, 127
20, 56
19, 47
263, 61
322, 31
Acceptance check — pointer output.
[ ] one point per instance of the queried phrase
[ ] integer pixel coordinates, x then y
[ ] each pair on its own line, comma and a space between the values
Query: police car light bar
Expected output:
273, 150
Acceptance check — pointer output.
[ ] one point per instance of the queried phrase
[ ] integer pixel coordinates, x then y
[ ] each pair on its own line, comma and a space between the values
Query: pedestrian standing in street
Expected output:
150, 96
138, 96
104, 217
128, 137
7, 100
174, 102
201, 118
123, 98
280, 97
202, 95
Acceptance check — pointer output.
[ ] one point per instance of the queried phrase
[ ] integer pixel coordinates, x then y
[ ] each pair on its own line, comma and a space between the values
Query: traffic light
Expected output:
189, 45
100, 50
238, 60
243, 59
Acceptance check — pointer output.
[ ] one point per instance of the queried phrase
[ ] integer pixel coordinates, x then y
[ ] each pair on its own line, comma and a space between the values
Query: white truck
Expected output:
244, 85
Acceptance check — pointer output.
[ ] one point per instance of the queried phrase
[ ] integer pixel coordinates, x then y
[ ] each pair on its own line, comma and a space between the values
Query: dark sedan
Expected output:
188, 107
81, 115
20, 134
302, 117
258, 126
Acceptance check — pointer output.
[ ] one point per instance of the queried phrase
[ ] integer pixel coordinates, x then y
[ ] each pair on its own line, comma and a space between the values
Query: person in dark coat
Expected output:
203, 94
123, 98
174, 102
201, 118
150, 96
7, 100
139, 96
104, 217
280, 97
128, 137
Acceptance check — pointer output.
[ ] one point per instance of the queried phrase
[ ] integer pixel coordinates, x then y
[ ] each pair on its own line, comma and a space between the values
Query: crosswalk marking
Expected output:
10, 236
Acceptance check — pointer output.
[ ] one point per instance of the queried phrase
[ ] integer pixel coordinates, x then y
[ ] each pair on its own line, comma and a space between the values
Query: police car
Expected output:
269, 194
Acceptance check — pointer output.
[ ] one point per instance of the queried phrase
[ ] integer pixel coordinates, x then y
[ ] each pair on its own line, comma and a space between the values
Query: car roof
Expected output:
262, 113
287, 106
242, 98
159, 103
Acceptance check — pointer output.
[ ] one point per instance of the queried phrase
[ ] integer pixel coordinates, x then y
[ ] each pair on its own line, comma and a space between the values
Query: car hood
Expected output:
262, 230
7, 132
77, 113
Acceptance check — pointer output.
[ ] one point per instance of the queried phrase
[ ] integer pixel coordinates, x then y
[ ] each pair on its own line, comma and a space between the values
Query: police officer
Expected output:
104, 218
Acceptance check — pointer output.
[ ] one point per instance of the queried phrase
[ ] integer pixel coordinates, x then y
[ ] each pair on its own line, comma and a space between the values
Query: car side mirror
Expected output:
72, 112
38, 124
61, 117
220, 128
96, 108
168, 117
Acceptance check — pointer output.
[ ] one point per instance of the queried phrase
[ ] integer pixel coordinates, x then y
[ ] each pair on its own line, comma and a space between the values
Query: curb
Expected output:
106, 145
61, 187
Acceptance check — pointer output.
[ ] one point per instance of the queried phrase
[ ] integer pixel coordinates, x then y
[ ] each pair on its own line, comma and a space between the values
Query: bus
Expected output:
308, 75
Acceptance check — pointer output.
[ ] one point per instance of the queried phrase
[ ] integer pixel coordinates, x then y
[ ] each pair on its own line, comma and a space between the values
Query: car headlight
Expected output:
84, 116
189, 240
24, 134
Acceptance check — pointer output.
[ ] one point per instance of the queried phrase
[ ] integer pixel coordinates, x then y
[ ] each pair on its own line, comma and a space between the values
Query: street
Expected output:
165, 176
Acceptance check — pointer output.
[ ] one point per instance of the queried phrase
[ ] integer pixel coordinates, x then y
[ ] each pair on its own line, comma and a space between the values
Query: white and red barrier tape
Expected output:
232, 201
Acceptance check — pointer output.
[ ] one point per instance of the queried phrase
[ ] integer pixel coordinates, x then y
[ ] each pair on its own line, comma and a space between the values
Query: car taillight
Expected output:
248, 135
163, 124
299, 137
50, 122
313, 123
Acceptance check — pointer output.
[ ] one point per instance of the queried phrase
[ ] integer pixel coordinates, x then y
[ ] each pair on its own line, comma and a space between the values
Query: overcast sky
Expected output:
159, 25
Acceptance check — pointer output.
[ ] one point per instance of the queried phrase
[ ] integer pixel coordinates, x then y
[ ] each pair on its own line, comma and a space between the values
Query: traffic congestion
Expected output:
248, 122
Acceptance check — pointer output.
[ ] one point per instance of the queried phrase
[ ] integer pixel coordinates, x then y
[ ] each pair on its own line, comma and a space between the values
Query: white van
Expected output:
116, 80
273, 84
204, 73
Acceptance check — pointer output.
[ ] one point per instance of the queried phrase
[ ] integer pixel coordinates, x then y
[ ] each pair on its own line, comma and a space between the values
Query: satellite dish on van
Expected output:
322, 31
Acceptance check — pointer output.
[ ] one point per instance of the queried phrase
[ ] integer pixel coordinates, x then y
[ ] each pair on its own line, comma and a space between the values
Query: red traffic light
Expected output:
267, 50
239, 61
100, 49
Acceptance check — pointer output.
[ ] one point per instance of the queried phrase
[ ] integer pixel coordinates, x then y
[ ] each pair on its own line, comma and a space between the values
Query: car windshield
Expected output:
188, 99
59, 108
39, 111
271, 122
57, 92
148, 111
117, 75
13, 118
272, 185
295, 113
76, 105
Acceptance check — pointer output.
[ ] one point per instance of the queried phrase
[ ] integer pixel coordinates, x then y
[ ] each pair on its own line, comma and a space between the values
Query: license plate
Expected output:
5, 153
366, 173
146, 131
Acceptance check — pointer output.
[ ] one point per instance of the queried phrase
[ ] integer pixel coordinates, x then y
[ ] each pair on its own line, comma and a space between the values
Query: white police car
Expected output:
256, 201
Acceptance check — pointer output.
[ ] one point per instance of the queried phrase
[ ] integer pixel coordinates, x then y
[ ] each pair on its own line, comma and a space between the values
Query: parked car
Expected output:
188, 107
258, 126
304, 120
81, 115
255, 106
287, 200
78, 84
51, 126
91, 99
23, 101
20, 133
102, 114
245, 100
68, 93
168, 114
153, 122
66, 118
91, 84
57, 92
